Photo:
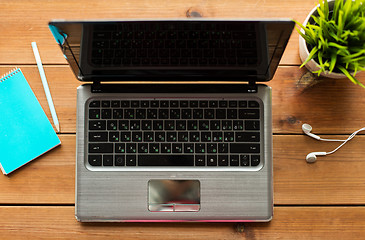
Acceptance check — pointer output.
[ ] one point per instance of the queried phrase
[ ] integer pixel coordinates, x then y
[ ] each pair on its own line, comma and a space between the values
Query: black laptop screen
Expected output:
173, 50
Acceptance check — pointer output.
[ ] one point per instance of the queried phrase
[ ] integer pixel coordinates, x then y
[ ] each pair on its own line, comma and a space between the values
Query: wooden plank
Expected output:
288, 223
336, 179
26, 21
331, 107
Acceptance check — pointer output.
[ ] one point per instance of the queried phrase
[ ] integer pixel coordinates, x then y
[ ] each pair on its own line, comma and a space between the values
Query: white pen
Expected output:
45, 86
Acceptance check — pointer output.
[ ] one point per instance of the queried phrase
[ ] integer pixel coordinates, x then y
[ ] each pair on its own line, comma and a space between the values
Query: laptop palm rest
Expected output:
165, 195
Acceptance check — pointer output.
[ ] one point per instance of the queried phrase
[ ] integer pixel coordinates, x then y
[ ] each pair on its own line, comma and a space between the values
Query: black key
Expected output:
134, 104
206, 136
100, 147
146, 125
228, 136
199, 160
108, 160
129, 113
177, 147
212, 160
164, 104
217, 137
124, 104
194, 136
157, 125
221, 114
247, 137
222, 160
244, 148
186, 114
94, 113
119, 160
194, 104
213, 104
180, 125
163, 113
215, 125
242, 104
94, 104
113, 136
119, 147
234, 160
203, 125
253, 104
223, 104
117, 113
222, 147
145, 104
115, 104
135, 125
112, 125
137, 136
249, 114
166, 160
232, 113
192, 125
226, 125
131, 147
98, 136
106, 113
245, 160
208, 113
184, 104
154, 148
148, 136
131, 160
200, 148
140, 113
255, 160
252, 125
233, 104
155, 104
165, 147
174, 104
198, 113
152, 113
237, 125
212, 148
105, 103
171, 136
203, 104
183, 136
160, 136
125, 136
94, 160
123, 125
175, 113
188, 147
142, 147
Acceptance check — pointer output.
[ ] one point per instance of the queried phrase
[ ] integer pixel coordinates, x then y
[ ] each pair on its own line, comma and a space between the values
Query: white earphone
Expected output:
312, 157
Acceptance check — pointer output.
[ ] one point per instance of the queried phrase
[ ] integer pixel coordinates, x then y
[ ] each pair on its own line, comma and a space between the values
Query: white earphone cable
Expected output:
348, 139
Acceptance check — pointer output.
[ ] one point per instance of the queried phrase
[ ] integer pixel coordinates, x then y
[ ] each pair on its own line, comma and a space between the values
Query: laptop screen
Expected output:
231, 50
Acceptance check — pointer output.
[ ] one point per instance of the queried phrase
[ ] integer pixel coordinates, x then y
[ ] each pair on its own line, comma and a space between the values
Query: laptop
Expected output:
172, 122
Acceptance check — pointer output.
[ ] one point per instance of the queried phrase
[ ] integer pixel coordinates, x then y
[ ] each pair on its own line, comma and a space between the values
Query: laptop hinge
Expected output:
96, 86
252, 87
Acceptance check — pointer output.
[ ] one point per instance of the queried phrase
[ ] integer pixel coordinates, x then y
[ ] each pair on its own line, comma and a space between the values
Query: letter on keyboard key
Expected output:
100, 147
165, 160
244, 148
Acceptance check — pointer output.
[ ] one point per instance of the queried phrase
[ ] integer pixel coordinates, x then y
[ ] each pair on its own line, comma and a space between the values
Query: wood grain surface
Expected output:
325, 200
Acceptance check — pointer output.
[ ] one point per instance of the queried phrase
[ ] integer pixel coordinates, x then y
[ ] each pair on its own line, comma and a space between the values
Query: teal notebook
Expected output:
25, 131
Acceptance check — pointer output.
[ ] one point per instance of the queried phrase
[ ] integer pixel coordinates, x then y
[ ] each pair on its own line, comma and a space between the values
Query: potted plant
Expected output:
332, 39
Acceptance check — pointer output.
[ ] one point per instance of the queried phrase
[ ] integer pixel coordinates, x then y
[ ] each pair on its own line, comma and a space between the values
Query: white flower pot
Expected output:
304, 53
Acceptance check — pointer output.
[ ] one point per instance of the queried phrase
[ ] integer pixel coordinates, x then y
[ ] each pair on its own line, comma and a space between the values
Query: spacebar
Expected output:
166, 160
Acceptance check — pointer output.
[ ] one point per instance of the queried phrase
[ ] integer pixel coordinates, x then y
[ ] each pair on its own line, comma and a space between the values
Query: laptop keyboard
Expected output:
159, 132
174, 44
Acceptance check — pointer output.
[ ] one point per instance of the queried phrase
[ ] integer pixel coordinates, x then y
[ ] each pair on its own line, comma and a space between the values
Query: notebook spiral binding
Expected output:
9, 74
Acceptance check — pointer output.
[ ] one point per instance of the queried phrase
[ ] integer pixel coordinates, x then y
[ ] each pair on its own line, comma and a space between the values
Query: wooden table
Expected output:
325, 200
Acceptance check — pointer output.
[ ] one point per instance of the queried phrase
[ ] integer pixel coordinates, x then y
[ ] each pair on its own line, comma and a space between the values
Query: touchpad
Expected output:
165, 195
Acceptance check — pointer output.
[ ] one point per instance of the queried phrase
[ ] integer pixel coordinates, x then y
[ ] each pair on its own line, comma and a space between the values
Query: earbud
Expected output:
312, 157
307, 130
